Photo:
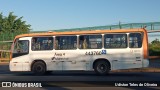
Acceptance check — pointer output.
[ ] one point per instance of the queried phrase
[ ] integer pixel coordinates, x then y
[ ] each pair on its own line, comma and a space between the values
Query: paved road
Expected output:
81, 80
85, 80
81, 76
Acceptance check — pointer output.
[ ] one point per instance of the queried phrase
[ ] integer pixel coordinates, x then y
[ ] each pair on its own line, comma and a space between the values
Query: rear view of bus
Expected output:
100, 50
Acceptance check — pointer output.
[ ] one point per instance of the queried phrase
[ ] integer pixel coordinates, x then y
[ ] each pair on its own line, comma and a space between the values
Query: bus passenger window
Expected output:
56, 45
42, 43
90, 41
135, 40
81, 40
35, 44
66, 42
115, 41
85, 44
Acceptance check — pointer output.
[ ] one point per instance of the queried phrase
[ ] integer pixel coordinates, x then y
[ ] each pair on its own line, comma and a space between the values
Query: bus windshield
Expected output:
21, 46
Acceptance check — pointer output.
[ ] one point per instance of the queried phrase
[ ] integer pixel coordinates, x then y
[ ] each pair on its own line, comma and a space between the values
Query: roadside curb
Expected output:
4, 63
139, 70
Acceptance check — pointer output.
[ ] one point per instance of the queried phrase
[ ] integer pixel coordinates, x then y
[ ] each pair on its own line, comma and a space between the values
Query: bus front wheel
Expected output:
101, 67
39, 68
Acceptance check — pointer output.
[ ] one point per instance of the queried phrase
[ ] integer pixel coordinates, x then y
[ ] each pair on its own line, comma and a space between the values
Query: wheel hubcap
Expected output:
39, 68
102, 68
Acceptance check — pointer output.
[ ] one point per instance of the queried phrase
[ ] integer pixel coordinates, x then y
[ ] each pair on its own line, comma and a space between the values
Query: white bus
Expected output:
98, 50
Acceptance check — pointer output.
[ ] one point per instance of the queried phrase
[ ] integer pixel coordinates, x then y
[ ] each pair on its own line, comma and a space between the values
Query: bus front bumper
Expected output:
19, 66
145, 63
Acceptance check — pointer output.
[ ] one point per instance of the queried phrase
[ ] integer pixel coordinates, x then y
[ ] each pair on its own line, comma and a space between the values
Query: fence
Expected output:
5, 45
4, 56
149, 26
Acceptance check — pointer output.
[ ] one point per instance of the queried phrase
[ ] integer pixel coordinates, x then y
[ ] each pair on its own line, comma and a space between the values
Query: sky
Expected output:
45, 15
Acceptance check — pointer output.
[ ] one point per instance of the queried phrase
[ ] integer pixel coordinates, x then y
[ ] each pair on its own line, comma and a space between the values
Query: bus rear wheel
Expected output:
39, 68
101, 67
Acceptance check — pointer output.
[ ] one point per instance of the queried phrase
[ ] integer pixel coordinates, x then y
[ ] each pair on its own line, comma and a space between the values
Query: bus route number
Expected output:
93, 53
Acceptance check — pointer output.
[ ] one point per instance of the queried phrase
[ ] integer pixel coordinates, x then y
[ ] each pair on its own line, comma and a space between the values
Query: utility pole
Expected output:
120, 25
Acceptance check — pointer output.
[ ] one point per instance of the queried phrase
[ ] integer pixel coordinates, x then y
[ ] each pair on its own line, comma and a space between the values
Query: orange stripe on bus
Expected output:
80, 32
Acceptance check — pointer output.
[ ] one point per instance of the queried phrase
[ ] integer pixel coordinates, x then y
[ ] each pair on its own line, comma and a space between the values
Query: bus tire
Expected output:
101, 67
39, 68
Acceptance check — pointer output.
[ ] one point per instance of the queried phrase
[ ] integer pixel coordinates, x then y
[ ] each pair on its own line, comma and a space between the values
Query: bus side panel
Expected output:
125, 58
71, 59
47, 57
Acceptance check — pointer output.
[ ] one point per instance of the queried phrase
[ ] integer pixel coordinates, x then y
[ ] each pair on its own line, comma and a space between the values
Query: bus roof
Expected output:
81, 32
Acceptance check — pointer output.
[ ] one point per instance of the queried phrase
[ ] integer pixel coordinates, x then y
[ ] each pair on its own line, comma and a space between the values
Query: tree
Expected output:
13, 24
156, 41
154, 48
